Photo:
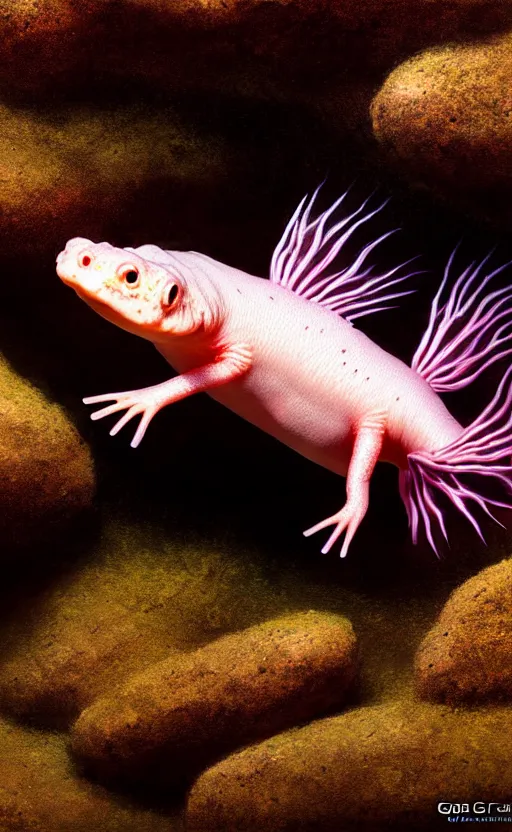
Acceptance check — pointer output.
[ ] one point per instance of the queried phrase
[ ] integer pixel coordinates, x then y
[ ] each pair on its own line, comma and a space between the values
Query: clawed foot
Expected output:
348, 518
146, 401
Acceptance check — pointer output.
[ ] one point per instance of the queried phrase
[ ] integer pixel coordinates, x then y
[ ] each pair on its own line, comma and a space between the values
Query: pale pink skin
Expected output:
295, 369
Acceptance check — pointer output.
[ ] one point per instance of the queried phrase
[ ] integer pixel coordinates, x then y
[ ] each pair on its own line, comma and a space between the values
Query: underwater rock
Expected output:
38, 793
137, 596
445, 119
176, 717
270, 48
372, 768
46, 469
229, 46
467, 655
65, 170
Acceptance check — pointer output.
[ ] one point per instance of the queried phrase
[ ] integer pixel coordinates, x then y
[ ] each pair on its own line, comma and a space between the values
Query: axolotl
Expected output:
284, 354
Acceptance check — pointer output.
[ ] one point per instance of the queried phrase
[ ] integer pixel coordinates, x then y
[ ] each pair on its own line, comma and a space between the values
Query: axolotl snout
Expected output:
284, 355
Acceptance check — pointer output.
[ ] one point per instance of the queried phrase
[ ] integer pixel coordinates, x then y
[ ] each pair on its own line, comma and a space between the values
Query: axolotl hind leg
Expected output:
365, 454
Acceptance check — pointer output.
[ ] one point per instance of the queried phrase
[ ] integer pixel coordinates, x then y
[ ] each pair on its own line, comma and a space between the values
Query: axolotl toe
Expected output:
283, 353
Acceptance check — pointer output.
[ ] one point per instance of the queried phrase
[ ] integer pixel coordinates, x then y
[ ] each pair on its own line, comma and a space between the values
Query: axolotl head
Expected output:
145, 297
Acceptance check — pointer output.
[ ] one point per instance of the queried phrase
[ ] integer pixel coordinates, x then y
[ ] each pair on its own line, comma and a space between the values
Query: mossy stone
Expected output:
46, 469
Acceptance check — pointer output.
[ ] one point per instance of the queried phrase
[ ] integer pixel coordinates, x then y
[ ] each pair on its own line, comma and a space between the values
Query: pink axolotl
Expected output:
283, 354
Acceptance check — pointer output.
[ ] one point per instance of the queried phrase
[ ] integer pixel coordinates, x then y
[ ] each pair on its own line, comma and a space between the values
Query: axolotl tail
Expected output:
467, 332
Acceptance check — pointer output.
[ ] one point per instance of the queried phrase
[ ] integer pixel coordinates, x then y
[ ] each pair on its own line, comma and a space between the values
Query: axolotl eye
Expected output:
131, 277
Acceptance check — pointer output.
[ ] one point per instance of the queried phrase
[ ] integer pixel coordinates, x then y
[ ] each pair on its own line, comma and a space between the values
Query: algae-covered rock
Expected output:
66, 171
178, 715
46, 470
379, 767
270, 48
137, 597
444, 119
467, 655
39, 794
183, 44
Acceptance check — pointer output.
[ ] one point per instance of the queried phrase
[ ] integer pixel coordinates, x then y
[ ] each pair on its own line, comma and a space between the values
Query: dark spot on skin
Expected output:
367, 378
355, 371
343, 351
397, 398
271, 298
344, 363
321, 331
307, 327
239, 292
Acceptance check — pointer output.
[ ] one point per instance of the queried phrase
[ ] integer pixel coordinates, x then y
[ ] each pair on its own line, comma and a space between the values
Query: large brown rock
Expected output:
39, 794
188, 43
79, 172
46, 469
467, 655
374, 768
136, 598
257, 47
444, 119
174, 718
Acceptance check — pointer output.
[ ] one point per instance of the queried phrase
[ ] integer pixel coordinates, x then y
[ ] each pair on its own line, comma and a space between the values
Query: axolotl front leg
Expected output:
367, 447
231, 364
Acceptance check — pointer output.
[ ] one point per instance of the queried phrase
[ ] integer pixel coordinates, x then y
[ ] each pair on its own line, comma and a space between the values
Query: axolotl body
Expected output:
283, 354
